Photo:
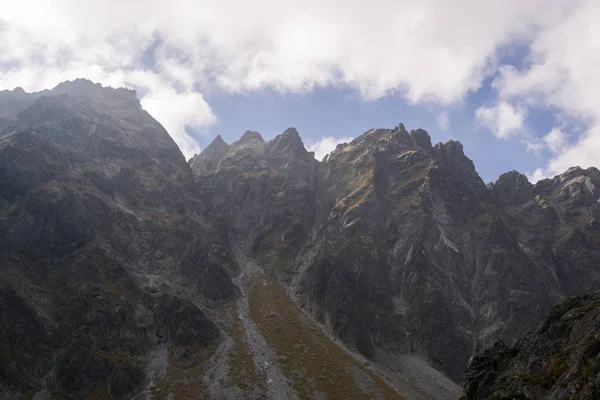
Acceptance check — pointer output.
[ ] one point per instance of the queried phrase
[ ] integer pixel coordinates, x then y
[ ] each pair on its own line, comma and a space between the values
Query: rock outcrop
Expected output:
558, 360
208, 161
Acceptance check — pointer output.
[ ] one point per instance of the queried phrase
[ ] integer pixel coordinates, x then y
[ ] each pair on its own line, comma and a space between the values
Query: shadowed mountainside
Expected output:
104, 254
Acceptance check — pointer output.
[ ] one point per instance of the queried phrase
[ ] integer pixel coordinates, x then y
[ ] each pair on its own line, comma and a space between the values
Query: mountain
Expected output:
262, 192
255, 271
106, 261
398, 246
558, 360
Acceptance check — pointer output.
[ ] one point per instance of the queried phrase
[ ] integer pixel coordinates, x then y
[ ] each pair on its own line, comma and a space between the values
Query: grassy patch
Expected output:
588, 370
98, 394
482, 222
558, 365
311, 361
589, 307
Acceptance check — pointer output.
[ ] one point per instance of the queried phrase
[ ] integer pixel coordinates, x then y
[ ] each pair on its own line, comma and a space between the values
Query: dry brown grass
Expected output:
183, 384
98, 394
310, 360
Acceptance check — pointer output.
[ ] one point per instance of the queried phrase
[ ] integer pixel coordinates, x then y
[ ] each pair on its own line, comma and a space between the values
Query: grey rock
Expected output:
208, 161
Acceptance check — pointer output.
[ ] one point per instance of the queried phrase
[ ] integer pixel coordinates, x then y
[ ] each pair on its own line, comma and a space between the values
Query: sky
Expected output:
515, 81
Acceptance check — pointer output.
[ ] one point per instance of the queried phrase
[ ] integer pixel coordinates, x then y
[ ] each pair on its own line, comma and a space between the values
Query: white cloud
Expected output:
326, 145
583, 153
503, 119
537, 175
443, 120
534, 146
174, 110
562, 73
555, 140
431, 50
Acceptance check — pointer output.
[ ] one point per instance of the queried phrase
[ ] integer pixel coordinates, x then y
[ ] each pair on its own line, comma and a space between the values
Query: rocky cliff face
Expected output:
558, 360
413, 253
104, 255
262, 193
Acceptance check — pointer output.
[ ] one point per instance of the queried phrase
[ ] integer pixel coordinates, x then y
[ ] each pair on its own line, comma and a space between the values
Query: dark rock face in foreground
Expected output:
558, 360
104, 255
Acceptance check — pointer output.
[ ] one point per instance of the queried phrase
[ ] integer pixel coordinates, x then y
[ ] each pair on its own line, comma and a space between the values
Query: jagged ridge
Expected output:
396, 246
392, 241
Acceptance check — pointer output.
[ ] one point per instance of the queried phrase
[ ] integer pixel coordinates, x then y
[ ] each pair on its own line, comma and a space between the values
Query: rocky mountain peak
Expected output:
512, 188
11, 103
217, 141
207, 161
378, 140
79, 84
571, 173
218, 145
291, 132
121, 103
84, 87
576, 186
450, 149
289, 142
422, 139
451, 156
250, 136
